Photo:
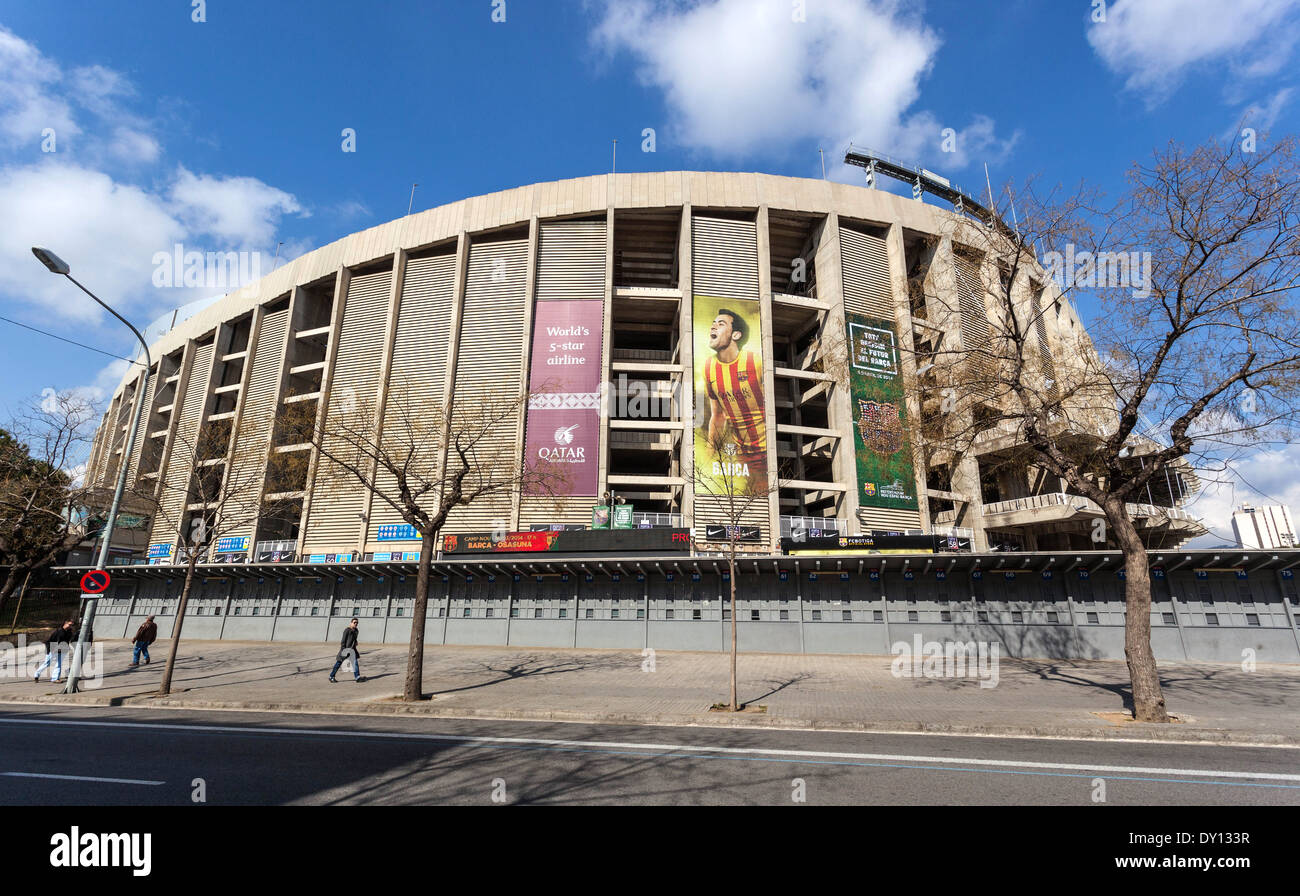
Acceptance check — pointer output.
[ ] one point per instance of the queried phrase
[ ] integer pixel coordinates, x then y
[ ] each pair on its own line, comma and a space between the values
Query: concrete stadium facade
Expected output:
451, 300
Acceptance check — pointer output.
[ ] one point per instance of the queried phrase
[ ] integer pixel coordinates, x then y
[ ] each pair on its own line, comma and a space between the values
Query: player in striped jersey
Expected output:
733, 378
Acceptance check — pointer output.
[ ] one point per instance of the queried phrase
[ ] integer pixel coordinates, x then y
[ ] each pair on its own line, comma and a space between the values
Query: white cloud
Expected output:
27, 106
1264, 477
80, 201
1263, 117
243, 211
743, 75
132, 146
107, 231
1155, 43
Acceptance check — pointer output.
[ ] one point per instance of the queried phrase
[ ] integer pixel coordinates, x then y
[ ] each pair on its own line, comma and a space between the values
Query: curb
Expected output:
1131, 732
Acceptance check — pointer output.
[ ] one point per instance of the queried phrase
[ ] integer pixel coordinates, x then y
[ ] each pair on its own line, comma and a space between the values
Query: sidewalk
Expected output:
1215, 702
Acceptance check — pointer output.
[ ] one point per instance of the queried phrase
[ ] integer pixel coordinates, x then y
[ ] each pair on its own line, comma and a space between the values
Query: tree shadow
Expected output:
777, 685
530, 666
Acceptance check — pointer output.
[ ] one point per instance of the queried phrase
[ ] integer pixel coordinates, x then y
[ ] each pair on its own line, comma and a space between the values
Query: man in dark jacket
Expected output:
145, 635
348, 650
56, 645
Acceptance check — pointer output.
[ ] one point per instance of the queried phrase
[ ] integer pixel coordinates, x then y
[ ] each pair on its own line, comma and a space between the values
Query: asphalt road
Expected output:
115, 756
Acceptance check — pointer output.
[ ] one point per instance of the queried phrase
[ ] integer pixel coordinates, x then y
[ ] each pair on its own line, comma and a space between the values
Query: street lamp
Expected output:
57, 265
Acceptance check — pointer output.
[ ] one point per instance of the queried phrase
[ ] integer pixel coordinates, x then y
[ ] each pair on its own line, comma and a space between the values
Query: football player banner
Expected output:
886, 477
728, 347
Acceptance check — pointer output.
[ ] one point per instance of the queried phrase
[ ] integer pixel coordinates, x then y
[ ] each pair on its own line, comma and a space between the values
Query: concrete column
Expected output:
764, 252
942, 282
686, 356
606, 350
530, 299
907, 357
828, 267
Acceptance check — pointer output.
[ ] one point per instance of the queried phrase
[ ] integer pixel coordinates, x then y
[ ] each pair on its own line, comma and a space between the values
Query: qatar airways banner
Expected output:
564, 378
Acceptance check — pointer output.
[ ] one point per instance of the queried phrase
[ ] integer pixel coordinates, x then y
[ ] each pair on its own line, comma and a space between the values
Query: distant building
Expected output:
1264, 528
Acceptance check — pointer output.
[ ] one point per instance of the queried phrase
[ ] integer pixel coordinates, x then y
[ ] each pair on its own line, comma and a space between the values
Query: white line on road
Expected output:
679, 748
80, 778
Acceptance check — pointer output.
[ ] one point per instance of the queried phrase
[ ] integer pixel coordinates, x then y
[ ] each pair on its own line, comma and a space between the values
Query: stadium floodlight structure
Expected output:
57, 265
923, 181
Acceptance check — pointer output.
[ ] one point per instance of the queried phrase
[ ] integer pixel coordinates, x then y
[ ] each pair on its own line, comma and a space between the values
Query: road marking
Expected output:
687, 749
80, 778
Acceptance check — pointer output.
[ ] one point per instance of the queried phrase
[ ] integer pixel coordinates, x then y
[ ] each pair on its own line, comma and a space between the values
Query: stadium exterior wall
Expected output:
358, 313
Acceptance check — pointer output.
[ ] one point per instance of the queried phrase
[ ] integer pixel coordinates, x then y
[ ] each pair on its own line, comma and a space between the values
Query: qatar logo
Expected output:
564, 452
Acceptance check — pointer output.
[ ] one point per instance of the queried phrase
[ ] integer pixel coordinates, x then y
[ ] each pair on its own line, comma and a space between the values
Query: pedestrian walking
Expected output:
348, 650
145, 635
56, 644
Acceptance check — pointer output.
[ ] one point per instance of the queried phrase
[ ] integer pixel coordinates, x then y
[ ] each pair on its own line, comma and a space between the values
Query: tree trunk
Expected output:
731, 566
7, 589
166, 687
1148, 699
414, 689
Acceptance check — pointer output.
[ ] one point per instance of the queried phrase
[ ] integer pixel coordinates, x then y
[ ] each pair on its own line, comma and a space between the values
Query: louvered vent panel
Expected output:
121, 420
981, 372
866, 274
418, 377
724, 258
248, 471
571, 260
540, 511
488, 368
1045, 350
885, 518
180, 465
338, 498
138, 446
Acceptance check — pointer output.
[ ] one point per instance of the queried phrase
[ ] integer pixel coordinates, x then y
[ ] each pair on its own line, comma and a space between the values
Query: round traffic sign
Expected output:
95, 582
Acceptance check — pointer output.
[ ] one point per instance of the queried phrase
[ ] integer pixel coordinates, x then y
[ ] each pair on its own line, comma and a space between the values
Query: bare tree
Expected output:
1193, 355
43, 504
736, 494
216, 486
424, 459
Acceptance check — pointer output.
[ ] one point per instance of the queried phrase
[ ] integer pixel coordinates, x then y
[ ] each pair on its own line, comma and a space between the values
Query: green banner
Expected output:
600, 516
622, 516
886, 477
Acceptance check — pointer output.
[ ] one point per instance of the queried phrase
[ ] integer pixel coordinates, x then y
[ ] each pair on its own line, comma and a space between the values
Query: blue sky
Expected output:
226, 133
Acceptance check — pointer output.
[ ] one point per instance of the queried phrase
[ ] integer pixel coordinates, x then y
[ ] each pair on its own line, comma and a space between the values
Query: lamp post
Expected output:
57, 265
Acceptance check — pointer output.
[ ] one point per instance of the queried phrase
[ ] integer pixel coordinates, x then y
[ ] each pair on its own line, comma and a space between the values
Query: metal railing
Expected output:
1083, 505
827, 525
656, 520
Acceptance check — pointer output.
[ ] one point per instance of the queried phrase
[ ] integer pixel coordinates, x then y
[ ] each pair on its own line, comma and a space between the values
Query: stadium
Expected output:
667, 306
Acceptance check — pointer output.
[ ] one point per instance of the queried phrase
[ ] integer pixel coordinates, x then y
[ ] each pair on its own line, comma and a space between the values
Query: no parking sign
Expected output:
95, 582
